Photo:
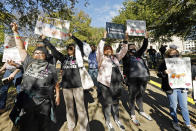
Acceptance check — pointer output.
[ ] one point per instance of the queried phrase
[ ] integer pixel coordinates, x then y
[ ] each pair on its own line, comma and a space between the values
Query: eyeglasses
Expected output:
39, 53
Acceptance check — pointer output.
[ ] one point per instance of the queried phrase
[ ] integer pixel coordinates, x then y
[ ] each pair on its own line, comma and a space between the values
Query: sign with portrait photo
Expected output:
52, 27
136, 27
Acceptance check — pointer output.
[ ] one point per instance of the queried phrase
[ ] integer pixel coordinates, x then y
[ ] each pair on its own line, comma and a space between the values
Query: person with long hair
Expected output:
36, 101
110, 80
175, 96
71, 81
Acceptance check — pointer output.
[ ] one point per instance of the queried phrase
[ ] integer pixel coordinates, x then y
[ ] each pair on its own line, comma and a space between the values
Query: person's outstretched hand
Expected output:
43, 37
126, 36
70, 34
14, 27
11, 62
146, 34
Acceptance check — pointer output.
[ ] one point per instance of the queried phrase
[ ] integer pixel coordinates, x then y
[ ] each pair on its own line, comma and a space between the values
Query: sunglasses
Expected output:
70, 48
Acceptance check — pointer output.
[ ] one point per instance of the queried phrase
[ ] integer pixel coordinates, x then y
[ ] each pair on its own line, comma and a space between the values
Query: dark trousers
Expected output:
110, 103
36, 122
136, 87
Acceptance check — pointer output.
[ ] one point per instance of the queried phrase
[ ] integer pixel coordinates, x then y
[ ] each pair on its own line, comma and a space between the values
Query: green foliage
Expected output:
164, 18
80, 27
25, 12
1, 34
30, 49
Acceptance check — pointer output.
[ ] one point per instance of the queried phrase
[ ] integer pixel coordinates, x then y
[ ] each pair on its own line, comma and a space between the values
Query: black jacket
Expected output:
161, 73
138, 54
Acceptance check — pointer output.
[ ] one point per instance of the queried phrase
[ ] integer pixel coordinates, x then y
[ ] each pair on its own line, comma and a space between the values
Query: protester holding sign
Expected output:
110, 79
71, 83
34, 107
175, 96
137, 74
11, 75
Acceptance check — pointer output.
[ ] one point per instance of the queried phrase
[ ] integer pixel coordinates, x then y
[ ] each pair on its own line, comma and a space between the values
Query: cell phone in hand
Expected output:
5, 80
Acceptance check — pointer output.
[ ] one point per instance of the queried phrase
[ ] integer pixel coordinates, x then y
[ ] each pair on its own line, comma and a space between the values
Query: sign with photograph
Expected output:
9, 41
136, 27
179, 72
52, 27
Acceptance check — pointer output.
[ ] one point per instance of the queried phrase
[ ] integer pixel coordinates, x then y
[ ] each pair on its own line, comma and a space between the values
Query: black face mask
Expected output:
173, 56
133, 51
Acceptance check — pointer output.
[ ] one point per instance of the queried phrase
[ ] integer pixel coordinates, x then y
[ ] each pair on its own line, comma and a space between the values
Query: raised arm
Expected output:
79, 43
124, 48
58, 55
141, 51
99, 53
19, 42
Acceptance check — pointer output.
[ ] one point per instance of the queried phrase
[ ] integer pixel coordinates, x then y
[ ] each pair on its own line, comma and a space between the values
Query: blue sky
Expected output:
101, 11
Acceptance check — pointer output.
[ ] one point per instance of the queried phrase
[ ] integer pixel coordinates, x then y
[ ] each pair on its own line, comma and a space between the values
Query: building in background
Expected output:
183, 46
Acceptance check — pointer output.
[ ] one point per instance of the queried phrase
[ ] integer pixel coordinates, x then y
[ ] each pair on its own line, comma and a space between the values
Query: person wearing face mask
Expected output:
175, 96
71, 81
50, 58
109, 80
137, 74
34, 107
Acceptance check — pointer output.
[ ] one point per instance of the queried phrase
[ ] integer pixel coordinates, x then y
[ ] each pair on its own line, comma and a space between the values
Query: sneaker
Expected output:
120, 125
135, 121
176, 126
110, 126
146, 116
190, 127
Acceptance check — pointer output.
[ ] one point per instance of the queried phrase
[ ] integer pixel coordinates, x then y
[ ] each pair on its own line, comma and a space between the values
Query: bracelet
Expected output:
17, 37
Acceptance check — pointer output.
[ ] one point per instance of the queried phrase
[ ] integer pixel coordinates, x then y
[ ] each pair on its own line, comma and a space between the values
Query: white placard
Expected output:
9, 41
194, 90
11, 54
136, 27
179, 72
52, 27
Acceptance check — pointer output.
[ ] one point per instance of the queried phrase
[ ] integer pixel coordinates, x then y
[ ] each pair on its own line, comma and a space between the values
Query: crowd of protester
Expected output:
38, 84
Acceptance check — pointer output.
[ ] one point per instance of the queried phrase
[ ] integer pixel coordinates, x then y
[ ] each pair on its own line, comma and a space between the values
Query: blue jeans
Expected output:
179, 97
93, 73
4, 89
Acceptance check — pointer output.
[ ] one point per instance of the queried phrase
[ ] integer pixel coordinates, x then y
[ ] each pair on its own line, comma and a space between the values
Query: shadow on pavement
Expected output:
96, 125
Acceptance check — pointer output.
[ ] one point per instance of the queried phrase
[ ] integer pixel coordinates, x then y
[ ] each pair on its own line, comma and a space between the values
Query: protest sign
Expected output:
194, 90
136, 27
52, 27
11, 54
115, 31
179, 72
9, 41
